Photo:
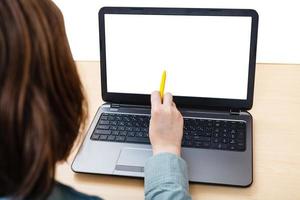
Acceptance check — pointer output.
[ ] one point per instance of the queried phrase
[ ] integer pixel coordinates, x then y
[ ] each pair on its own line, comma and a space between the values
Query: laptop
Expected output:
209, 56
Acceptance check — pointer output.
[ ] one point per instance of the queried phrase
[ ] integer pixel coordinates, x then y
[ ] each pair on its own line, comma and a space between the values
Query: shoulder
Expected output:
61, 191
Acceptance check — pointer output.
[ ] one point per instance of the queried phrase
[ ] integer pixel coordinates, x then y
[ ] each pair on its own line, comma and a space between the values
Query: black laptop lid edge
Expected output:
185, 102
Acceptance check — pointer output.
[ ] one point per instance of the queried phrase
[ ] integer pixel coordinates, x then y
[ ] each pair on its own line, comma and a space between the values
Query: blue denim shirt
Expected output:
165, 178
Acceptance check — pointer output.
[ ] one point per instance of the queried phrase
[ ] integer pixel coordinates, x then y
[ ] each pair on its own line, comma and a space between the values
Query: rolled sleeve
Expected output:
166, 177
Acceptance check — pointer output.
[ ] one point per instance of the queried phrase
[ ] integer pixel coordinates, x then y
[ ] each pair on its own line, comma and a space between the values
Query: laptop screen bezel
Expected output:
195, 102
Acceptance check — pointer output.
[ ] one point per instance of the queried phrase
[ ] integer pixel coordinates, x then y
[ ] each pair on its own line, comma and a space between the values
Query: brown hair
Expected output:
42, 105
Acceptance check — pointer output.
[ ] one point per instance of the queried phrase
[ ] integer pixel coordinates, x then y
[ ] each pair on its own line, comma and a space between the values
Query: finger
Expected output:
155, 99
168, 99
174, 105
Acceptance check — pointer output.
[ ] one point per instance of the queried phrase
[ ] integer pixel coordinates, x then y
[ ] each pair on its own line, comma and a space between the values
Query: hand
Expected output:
166, 125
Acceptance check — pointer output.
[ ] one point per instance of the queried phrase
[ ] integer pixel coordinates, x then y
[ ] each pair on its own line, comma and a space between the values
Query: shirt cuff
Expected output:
165, 168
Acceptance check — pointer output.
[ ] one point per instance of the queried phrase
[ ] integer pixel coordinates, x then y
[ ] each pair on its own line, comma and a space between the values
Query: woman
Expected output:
43, 109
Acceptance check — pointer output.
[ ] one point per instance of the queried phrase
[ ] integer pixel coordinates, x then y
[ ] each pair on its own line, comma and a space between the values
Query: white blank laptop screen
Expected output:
204, 56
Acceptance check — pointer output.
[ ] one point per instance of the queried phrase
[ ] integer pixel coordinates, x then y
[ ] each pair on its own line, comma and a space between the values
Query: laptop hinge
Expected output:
113, 105
117, 106
235, 112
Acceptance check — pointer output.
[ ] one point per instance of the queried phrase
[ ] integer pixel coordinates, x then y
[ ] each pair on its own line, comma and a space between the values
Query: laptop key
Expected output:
104, 117
145, 134
144, 129
128, 124
95, 137
216, 146
121, 123
224, 146
188, 143
118, 118
120, 138
233, 131
111, 138
103, 137
126, 118
121, 128
136, 129
232, 147
139, 134
131, 134
138, 140
111, 118
199, 144
241, 136
104, 127
129, 128
115, 132
232, 141
240, 146
206, 144
242, 125
103, 132
123, 133
217, 134
114, 123
216, 140
206, 139
104, 122
225, 135
207, 134
225, 140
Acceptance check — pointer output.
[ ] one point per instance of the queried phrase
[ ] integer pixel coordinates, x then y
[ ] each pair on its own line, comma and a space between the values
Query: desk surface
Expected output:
276, 138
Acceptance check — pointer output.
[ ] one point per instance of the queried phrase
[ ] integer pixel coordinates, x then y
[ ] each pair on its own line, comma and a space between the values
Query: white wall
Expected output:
279, 27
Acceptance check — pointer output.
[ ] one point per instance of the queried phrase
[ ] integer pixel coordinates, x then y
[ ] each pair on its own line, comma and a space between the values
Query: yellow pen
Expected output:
162, 84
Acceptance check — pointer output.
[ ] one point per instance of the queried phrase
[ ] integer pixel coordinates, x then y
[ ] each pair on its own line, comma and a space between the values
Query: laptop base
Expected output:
204, 165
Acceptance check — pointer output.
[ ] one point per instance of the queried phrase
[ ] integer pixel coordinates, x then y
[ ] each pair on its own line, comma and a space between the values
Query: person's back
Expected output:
43, 109
42, 104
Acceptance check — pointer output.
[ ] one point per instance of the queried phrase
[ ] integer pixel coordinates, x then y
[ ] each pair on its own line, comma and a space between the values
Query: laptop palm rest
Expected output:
131, 161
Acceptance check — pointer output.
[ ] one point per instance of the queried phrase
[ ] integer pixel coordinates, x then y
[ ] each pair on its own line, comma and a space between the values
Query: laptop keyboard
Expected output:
197, 132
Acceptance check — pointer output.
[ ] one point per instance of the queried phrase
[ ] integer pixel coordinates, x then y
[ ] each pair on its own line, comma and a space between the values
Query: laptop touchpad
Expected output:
133, 159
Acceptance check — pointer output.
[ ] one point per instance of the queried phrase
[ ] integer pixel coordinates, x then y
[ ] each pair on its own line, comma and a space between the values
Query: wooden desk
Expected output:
276, 153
